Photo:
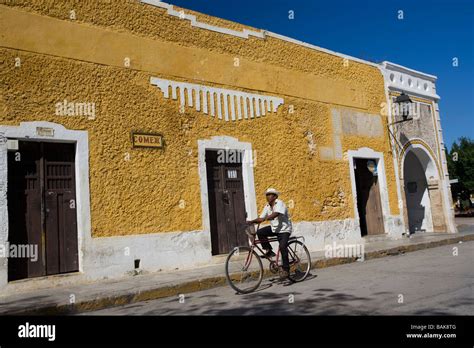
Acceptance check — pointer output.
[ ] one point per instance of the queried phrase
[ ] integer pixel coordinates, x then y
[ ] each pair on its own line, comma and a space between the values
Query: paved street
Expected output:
431, 282
464, 222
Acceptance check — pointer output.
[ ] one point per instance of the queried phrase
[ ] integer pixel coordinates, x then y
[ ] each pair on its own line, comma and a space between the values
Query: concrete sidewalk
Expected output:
103, 294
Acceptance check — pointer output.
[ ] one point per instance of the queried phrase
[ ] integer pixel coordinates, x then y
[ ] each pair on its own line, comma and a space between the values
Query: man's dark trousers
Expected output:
264, 233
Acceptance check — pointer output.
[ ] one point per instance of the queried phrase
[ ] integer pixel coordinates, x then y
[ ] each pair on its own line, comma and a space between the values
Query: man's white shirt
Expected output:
282, 223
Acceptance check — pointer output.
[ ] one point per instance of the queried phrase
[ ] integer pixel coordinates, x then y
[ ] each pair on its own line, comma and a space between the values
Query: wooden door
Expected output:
60, 208
226, 203
42, 208
24, 198
369, 204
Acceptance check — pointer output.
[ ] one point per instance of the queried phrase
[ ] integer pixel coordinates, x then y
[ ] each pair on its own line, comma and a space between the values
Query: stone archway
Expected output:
423, 199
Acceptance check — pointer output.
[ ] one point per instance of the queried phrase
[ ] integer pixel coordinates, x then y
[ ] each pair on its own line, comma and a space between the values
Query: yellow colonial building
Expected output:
135, 135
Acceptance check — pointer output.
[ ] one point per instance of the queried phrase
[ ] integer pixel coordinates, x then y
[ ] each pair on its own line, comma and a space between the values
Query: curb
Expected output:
212, 282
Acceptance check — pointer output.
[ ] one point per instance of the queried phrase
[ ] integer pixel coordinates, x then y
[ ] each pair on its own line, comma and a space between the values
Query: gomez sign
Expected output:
147, 140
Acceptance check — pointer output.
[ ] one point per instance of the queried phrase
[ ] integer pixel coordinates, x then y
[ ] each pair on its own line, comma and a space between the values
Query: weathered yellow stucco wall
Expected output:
142, 194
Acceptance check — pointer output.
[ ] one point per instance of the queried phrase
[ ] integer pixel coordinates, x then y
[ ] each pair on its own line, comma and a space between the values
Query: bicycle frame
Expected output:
255, 243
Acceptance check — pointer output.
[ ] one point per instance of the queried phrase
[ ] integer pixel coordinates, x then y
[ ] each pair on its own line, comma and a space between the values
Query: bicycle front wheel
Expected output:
243, 270
300, 261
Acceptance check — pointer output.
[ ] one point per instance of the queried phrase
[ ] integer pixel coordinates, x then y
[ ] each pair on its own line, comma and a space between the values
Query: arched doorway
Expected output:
418, 171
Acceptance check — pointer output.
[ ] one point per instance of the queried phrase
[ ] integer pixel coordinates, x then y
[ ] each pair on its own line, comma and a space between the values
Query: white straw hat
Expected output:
272, 190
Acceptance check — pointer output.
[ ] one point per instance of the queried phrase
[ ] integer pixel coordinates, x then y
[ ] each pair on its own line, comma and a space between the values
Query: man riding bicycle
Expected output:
281, 227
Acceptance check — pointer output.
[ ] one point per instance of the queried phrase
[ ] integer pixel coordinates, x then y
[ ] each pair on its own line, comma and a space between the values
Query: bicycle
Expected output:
244, 268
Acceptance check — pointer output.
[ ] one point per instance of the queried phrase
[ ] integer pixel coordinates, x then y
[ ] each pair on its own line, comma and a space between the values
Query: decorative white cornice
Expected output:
262, 34
397, 77
228, 105
195, 23
402, 79
401, 68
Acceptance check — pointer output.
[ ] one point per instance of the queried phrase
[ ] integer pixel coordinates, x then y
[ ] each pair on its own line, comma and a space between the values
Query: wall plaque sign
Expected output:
45, 131
147, 140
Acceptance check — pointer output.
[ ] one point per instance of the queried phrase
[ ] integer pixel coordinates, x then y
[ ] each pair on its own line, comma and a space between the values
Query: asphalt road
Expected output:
427, 282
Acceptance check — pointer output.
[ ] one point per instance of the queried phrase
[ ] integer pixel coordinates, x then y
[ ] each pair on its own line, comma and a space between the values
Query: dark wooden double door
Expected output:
42, 208
226, 203
368, 199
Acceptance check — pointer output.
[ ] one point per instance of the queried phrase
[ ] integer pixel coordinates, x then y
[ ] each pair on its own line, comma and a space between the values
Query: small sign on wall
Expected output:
147, 140
44, 132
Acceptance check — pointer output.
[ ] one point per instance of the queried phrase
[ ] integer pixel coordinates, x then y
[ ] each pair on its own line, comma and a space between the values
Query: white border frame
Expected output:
226, 142
433, 168
27, 131
368, 153
394, 144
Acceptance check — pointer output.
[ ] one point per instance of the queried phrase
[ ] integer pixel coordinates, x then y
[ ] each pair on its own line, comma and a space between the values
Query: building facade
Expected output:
139, 136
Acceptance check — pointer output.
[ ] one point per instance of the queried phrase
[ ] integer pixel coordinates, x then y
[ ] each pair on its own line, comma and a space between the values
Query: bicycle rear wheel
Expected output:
300, 261
243, 270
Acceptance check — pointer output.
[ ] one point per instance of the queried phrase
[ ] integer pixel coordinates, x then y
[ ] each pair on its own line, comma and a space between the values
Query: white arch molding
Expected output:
426, 159
419, 210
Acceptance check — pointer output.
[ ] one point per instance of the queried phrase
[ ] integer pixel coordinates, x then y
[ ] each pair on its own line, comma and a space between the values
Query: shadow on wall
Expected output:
403, 138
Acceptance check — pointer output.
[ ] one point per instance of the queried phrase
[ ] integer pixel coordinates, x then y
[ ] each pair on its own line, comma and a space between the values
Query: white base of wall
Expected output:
395, 225
319, 234
114, 257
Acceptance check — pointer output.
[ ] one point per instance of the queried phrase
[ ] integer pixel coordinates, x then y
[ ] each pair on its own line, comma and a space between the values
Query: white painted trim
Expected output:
433, 168
448, 207
397, 67
238, 100
394, 148
428, 168
195, 23
226, 142
366, 152
443, 184
261, 34
27, 131
398, 78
